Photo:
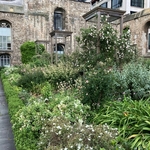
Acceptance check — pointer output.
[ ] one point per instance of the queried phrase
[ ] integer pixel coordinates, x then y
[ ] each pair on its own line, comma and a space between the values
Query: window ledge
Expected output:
5, 51
147, 55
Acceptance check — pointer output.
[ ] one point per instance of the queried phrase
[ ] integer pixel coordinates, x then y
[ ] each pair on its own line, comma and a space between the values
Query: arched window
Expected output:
60, 49
147, 33
5, 36
149, 39
5, 60
59, 19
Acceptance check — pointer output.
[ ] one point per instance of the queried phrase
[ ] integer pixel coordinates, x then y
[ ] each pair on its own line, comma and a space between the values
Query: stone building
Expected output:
130, 6
54, 23
136, 19
139, 26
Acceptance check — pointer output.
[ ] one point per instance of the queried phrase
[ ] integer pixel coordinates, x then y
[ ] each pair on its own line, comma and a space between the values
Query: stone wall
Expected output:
37, 21
138, 24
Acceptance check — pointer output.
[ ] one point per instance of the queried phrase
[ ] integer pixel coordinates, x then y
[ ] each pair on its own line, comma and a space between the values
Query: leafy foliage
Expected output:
31, 80
28, 50
41, 60
54, 100
28, 124
132, 118
97, 87
132, 81
104, 45
58, 133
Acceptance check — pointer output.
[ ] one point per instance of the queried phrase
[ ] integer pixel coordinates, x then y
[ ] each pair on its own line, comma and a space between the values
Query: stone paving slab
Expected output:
6, 135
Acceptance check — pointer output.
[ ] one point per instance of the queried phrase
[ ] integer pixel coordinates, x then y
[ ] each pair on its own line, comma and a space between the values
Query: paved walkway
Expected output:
6, 135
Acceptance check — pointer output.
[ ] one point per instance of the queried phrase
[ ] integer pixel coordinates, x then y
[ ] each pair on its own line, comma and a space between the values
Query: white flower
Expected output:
58, 127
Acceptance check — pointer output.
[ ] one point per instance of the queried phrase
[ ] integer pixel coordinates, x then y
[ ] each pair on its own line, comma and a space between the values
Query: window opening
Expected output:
149, 39
58, 20
5, 36
104, 5
5, 60
137, 3
60, 49
116, 3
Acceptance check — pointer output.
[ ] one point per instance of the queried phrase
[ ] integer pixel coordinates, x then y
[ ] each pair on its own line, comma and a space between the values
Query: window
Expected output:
60, 49
116, 3
59, 19
104, 5
133, 12
137, 3
5, 36
149, 40
5, 60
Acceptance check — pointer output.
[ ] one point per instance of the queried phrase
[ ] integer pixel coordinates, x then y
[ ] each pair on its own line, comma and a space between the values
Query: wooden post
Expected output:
56, 56
70, 43
65, 50
98, 28
52, 49
98, 19
121, 25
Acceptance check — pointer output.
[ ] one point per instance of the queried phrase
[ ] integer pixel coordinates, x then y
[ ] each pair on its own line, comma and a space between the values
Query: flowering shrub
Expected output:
70, 108
103, 45
32, 77
28, 123
59, 134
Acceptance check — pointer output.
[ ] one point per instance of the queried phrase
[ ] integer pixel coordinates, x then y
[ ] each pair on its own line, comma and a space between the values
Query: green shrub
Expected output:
46, 90
32, 79
56, 74
28, 124
28, 50
132, 119
41, 60
14, 103
97, 87
132, 81
70, 108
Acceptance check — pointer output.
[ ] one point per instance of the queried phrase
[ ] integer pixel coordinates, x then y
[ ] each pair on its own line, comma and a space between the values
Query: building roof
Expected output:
114, 14
137, 15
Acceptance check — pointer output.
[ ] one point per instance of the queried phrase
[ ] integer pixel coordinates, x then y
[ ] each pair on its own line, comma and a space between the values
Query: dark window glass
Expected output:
133, 12
104, 5
137, 3
116, 3
58, 21
149, 41
5, 60
60, 49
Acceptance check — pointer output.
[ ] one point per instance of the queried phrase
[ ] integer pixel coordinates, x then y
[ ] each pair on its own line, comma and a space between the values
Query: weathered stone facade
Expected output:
36, 21
138, 24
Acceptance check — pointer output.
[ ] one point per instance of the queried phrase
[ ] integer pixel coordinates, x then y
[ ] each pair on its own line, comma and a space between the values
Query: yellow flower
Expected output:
125, 114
